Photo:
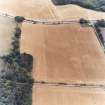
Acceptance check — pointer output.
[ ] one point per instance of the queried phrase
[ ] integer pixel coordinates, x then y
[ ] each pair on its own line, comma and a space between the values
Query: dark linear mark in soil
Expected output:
80, 85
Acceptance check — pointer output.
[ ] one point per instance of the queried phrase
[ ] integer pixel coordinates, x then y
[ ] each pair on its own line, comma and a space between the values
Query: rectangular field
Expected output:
52, 95
64, 53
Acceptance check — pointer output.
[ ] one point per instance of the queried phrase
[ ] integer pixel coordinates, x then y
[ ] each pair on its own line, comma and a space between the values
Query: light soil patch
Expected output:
37, 9
64, 53
76, 12
52, 95
7, 31
45, 9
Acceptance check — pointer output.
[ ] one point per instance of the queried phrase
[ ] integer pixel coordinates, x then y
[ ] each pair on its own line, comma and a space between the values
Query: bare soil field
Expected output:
28, 8
52, 95
39, 9
64, 53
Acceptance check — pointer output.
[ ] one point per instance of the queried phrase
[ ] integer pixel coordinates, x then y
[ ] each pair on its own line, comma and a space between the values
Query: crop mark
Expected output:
64, 84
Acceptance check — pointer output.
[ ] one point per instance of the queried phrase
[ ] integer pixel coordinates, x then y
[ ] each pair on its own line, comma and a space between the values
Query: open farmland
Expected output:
53, 95
68, 60
64, 53
45, 9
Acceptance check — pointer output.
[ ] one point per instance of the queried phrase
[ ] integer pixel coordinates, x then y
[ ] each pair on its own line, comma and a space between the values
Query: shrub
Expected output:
83, 21
26, 61
101, 23
16, 44
19, 19
18, 33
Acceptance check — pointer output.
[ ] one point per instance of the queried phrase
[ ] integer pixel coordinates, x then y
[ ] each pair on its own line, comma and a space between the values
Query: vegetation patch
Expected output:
19, 19
84, 23
16, 69
12, 93
98, 25
15, 76
98, 5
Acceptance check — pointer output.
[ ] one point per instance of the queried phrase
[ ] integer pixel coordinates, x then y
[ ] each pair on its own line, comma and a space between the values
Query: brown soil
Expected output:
52, 95
64, 53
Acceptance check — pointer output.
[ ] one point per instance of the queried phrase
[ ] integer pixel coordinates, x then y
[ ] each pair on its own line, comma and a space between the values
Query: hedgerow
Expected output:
15, 74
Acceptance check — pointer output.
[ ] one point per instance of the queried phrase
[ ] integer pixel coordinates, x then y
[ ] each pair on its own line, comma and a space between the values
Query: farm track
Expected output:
46, 21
